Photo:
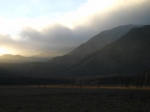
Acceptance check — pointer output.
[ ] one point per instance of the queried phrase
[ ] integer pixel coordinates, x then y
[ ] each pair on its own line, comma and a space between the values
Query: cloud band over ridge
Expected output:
66, 32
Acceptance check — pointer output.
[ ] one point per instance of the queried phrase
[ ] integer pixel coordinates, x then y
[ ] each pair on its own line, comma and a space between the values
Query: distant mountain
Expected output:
47, 54
8, 58
128, 55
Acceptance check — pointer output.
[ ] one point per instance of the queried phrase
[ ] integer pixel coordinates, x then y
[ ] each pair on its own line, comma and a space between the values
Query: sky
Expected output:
29, 27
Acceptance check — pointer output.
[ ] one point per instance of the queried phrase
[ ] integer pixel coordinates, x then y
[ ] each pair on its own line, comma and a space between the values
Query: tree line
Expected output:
140, 80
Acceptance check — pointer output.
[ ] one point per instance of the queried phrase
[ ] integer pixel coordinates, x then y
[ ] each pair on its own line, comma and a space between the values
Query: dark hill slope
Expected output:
129, 54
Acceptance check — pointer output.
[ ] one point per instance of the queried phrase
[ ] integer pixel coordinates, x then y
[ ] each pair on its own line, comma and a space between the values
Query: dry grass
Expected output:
57, 98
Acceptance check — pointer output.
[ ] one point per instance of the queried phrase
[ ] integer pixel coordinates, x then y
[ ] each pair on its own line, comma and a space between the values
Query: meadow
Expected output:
69, 98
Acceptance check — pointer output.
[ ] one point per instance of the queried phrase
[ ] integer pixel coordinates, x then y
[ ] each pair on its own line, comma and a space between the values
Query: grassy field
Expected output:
67, 99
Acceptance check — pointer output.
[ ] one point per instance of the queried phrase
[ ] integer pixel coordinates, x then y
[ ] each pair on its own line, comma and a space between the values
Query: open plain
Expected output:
48, 99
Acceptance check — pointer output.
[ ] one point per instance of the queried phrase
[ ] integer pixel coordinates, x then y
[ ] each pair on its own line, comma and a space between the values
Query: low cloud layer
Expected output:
65, 33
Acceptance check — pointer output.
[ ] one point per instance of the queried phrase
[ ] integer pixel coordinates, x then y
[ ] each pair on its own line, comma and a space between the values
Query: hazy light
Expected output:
5, 51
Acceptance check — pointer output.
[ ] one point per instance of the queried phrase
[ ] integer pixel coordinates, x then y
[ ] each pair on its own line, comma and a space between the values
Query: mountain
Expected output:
8, 58
128, 55
95, 43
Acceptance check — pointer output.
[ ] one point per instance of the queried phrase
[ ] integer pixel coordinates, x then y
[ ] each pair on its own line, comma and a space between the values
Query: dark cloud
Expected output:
56, 37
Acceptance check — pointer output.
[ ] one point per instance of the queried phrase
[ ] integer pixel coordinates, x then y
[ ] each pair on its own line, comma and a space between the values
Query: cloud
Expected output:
54, 37
64, 33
